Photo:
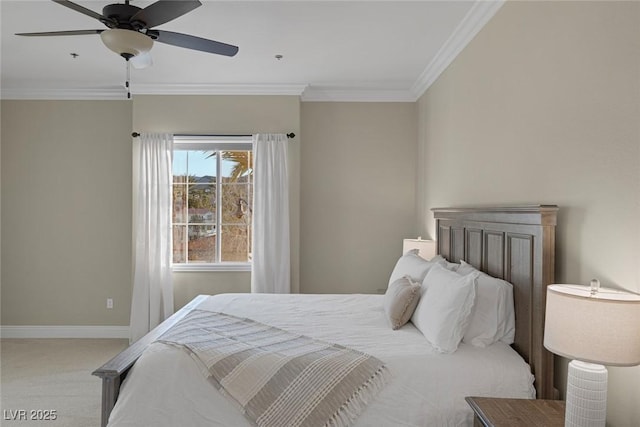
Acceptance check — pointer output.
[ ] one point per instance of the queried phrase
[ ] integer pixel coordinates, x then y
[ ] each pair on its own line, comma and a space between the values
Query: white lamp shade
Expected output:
603, 328
127, 42
426, 248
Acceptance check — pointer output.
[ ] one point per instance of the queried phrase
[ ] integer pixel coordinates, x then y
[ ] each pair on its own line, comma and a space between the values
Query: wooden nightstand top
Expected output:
496, 412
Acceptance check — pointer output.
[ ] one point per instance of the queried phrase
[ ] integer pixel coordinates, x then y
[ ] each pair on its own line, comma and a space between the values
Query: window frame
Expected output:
210, 143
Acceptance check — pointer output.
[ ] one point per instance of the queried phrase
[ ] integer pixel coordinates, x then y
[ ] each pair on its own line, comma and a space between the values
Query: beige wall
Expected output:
227, 115
72, 160
59, 157
543, 107
66, 212
358, 193
66, 185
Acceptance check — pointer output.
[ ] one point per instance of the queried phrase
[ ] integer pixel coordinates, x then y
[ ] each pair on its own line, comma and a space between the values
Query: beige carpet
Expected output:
53, 375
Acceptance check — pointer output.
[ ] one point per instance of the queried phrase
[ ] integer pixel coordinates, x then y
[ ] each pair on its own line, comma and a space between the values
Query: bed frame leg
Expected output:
110, 388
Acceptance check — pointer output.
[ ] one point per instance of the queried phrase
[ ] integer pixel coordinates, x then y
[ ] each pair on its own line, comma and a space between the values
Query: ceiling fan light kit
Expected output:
126, 43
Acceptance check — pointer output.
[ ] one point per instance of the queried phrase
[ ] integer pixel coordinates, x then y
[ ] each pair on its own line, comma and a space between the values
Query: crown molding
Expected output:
477, 17
150, 89
307, 94
217, 89
64, 94
318, 94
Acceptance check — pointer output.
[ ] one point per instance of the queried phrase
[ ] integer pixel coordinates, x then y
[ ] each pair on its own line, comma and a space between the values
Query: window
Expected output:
212, 203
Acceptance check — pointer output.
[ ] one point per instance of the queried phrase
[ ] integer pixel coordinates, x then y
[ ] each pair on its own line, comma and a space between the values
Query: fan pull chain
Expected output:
126, 84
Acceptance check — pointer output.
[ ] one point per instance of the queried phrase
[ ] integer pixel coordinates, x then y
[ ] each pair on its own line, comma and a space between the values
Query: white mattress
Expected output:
425, 388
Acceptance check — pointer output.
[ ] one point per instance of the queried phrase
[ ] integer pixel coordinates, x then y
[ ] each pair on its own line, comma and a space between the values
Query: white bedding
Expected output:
425, 388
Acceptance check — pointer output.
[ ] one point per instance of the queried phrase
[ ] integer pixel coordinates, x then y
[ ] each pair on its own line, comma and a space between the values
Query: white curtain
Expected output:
270, 272
152, 300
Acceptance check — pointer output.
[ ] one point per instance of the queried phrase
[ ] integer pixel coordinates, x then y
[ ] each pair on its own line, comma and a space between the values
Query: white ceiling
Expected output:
332, 50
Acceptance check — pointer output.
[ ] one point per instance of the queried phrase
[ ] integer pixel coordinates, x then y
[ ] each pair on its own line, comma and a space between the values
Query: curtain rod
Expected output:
136, 134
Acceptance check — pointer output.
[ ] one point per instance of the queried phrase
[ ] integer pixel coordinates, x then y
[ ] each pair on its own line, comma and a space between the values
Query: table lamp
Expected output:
426, 248
593, 326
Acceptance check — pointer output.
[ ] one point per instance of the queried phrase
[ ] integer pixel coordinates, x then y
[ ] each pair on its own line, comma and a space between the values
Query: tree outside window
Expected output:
212, 204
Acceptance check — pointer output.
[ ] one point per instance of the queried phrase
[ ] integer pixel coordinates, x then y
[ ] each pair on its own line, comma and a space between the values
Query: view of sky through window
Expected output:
199, 163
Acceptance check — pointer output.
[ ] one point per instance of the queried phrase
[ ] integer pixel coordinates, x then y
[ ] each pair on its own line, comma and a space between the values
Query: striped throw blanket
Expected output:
279, 378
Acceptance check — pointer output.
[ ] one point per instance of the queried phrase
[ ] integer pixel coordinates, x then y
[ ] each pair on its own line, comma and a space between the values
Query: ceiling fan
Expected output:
130, 30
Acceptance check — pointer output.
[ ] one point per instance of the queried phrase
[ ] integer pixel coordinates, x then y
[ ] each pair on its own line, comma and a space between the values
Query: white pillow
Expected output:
493, 318
412, 265
450, 265
443, 313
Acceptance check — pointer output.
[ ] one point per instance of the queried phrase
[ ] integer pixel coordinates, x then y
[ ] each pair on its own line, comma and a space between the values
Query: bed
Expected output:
161, 384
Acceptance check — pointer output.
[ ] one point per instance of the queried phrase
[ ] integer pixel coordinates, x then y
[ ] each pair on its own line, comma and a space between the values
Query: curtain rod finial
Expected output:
135, 134
291, 135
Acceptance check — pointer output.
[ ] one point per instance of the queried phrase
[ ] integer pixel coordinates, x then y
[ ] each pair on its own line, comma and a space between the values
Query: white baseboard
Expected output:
64, 331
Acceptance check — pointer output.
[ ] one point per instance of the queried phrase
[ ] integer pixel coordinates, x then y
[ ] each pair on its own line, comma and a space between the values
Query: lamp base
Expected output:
586, 395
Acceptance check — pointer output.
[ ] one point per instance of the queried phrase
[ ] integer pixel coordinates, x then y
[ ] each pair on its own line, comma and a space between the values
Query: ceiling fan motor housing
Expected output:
119, 16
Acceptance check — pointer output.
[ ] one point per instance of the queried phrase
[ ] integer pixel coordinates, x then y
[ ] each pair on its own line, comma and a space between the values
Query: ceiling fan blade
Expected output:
193, 42
142, 60
80, 9
62, 33
161, 12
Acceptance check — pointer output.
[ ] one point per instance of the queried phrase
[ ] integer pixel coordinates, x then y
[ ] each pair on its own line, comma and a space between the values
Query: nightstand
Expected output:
496, 412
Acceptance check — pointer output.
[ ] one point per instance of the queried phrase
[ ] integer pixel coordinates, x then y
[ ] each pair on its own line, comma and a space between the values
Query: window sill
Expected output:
230, 266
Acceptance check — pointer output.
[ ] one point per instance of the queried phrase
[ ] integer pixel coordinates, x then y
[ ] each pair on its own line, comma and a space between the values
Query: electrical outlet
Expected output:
109, 302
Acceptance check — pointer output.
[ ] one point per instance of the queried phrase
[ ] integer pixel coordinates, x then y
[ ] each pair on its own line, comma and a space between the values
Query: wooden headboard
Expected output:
516, 244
